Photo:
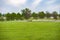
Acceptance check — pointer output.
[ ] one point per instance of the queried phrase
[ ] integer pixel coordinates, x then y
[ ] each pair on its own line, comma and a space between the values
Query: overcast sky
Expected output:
34, 5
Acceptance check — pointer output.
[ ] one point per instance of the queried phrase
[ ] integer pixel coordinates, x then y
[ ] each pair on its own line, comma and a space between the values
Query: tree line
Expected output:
27, 14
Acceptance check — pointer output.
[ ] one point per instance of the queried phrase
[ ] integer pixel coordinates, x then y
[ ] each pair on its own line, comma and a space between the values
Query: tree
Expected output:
48, 15
54, 14
8, 16
34, 15
59, 15
0, 14
18, 16
26, 13
1, 18
41, 14
13, 16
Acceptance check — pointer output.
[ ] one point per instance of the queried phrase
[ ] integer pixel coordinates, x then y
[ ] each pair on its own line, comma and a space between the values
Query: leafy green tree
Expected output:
59, 15
13, 16
48, 15
54, 14
1, 18
26, 13
18, 16
35, 15
8, 16
0, 14
41, 15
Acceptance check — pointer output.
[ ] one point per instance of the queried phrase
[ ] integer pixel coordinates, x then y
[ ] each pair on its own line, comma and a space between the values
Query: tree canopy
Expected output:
27, 14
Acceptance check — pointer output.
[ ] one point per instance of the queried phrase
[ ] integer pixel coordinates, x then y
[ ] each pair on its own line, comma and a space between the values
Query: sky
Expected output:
33, 5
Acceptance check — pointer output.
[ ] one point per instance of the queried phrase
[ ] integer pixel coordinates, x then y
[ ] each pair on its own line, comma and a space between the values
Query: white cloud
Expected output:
35, 3
15, 2
0, 9
3, 10
50, 1
53, 8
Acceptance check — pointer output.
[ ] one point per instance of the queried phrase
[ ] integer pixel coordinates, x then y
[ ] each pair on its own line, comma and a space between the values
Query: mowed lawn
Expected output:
29, 30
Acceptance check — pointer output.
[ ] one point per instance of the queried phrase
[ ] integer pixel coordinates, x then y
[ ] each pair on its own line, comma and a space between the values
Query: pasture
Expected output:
29, 30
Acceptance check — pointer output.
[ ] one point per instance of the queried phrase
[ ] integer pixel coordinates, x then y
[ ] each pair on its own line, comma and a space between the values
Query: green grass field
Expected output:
29, 30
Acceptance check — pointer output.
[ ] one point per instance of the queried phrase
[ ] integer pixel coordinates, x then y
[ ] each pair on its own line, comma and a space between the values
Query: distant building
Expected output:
2, 18
51, 17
